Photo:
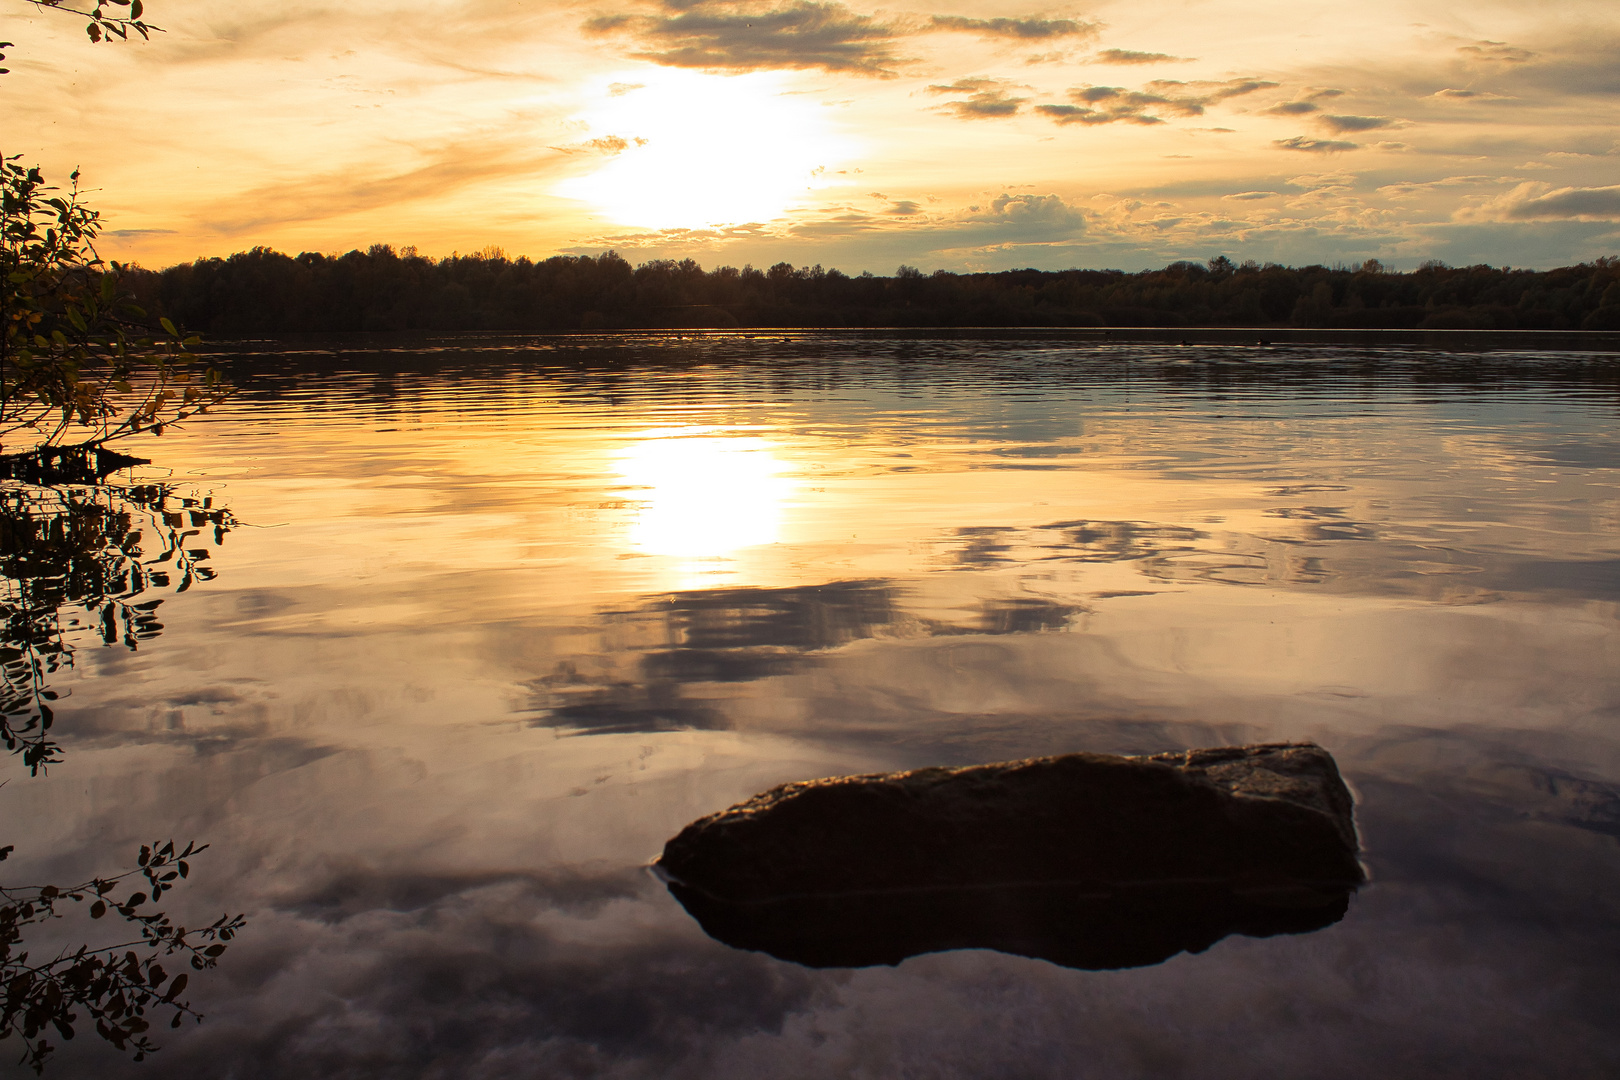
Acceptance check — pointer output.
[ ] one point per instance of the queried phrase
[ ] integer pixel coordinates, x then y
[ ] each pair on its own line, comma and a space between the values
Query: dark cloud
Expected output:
1601, 203
717, 35
989, 98
1030, 29
1342, 124
1316, 146
1128, 108
1131, 56
1114, 104
1250, 196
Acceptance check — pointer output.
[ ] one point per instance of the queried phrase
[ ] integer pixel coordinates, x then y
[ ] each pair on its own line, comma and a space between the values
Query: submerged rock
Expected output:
1089, 860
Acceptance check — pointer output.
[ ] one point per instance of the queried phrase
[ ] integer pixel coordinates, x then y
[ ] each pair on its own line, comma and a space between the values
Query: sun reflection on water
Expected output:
706, 495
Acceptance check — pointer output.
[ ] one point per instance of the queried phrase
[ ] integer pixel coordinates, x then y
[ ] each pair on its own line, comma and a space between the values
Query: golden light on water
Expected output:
706, 496
701, 150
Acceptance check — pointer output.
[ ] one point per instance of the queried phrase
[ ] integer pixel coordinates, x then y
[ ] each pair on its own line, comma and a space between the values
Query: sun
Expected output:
695, 150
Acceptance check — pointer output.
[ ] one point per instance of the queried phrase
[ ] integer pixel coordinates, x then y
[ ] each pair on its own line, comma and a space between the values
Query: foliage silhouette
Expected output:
78, 357
264, 291
116, 985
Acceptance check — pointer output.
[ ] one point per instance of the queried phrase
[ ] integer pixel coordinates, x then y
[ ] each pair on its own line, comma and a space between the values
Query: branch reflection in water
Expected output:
77, 564
81, 563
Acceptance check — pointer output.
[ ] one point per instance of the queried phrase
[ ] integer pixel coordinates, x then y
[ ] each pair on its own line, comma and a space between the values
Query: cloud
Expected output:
1315, 146
358, 188
1291, 108
1030, 29
1250, 196
1131, 56
1408, 188
1449, 94
1322, 181
1304, 102
1343, 124
1497, 52
1534, 200
729, 36
1043, 213
1114, 104
990, 98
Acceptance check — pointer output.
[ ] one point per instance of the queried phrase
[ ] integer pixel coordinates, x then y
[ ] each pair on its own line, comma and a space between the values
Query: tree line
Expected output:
265, 291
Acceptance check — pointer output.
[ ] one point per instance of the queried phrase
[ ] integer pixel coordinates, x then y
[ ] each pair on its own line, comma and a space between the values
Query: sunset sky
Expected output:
962, 134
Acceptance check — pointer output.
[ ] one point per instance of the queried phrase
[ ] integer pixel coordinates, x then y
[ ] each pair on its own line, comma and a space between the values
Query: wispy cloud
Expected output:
1131, 56
1497, 52
1315, 146
1305, 102
1449, 94
1342, 124
1028, 29
358, 189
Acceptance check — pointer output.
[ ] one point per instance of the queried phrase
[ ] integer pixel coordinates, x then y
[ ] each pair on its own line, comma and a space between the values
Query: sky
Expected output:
958, 135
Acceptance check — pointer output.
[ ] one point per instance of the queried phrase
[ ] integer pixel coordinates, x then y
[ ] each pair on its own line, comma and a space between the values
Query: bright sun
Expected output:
704, 150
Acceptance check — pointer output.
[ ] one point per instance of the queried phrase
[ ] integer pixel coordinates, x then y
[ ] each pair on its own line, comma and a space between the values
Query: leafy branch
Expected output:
77, 354
104, 24
116, 986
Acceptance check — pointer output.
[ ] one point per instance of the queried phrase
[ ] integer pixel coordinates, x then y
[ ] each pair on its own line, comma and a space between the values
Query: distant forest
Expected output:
266, 292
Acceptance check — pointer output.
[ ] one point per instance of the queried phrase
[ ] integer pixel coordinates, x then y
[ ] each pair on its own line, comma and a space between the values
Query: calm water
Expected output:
464, 643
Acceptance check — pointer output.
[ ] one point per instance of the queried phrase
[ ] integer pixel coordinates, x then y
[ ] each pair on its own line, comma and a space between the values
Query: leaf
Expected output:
98, 909
168, 326
135, 9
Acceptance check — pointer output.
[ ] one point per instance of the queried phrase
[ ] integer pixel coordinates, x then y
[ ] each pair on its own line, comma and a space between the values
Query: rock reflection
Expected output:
1070, 926
82, 564
1085, 860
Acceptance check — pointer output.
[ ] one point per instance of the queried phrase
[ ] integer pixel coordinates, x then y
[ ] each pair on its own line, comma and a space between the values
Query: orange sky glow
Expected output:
963, 135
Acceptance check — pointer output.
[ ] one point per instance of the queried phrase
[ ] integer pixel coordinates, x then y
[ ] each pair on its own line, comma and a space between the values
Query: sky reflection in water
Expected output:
487, 633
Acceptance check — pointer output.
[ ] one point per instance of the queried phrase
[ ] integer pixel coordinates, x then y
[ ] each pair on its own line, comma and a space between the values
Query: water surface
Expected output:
493, 618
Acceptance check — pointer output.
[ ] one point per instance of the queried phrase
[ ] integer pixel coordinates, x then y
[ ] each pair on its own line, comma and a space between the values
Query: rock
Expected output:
1086, 859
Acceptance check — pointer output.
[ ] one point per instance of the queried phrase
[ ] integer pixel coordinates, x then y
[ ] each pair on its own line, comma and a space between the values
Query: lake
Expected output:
471, 626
